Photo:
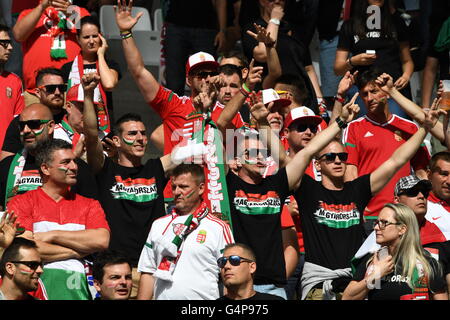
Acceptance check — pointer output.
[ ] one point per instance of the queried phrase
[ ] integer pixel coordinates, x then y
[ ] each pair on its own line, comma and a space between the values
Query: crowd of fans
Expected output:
275, 181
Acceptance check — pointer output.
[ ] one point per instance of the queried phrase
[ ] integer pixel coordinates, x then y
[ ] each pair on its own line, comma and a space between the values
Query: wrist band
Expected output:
125, 34
340, 99
275, 21
244, 93
244, 86
341, 123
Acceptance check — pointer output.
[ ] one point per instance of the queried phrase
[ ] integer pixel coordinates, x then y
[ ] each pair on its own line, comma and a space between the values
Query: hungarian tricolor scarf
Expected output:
205, 132
61, 26
72, 134
76, 72
14, 175
170, 246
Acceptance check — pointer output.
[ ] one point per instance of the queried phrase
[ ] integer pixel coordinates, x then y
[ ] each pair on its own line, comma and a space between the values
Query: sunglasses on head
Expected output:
205, 74
5, 43
32, 124
234, 261
33, 265
413, 192
301, 127
51, 88
331, 156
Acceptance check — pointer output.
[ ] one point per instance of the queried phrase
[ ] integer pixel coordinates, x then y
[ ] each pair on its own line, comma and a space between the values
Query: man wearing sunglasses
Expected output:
20, 270
19, 173
11, 93
49, 92
237, 269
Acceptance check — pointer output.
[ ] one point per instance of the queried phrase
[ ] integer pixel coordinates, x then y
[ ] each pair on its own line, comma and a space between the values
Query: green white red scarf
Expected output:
205, 132
76, 72
14, 175
61, 25
170, 248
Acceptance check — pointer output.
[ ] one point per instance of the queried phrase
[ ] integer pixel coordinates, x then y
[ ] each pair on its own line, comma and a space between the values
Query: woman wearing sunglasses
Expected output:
401, 269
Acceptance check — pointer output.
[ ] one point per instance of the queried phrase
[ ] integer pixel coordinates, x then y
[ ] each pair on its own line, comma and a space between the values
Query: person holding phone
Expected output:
406, 272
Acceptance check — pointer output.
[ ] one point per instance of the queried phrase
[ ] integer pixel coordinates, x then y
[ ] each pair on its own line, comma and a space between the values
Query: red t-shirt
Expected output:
173, 111
19, 5
38, 211
369, 144
36, 48
11, 100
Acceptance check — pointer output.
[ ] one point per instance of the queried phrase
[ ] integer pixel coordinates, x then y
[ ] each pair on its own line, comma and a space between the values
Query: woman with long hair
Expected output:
401, 269
376, 36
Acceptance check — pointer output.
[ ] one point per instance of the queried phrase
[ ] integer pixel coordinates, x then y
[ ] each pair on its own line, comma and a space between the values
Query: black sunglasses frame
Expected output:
32, 124
233, 259
33, 265
331, 156
205, 74
51, 88
5, 43
413, 192
301, 127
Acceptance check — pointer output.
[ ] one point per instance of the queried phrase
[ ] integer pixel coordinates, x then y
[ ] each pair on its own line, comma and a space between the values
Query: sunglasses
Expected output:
205, 74
413, 192
32, 124
51, 88
382, 224
33, 265
5, 43
234, 261
331, 156
303, 127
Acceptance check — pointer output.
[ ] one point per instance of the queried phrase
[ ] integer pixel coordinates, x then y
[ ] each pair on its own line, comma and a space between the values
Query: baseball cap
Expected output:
409, 182
203, 59
303, 113
270, 95
76, 94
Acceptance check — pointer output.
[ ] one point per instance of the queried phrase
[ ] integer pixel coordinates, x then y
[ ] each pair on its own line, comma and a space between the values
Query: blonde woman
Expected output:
402, 269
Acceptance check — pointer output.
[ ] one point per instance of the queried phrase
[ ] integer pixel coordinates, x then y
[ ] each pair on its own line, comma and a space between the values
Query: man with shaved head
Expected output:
19, 173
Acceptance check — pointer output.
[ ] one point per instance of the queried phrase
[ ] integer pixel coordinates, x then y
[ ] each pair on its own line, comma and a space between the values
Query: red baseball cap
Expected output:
302, 113
76, 94
203, 59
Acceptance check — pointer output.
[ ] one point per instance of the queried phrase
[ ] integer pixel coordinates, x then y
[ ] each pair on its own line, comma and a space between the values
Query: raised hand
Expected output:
277, 12
89, 82
401, 82
261, 35
207, 97
260, 112
347, 81
125, 21
350, 110
385, 82
103, 47
433, 114
254, 75
8, 228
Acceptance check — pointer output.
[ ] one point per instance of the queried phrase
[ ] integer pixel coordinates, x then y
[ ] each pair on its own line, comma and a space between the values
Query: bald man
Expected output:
19, 173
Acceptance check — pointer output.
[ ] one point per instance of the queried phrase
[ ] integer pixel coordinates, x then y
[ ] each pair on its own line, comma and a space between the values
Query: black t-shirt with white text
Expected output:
132, 198
255, 217
332, 221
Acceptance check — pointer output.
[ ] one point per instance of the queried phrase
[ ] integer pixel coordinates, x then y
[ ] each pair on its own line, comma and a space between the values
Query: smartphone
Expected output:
371, 52
382, 253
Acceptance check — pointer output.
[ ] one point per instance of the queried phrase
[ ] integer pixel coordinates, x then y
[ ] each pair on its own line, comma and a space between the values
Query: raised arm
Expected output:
381, 176
277, 13
8, 228
221, 10
297, 166
25, 26
145, 81
94, 148
347, 81
109, 77
273, 62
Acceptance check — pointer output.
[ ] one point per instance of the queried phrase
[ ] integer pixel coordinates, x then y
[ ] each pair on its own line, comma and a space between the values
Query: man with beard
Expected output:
20, 270
50, 89
19, 172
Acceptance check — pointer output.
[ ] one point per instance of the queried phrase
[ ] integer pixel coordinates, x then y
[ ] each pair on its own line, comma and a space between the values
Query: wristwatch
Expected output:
341, 123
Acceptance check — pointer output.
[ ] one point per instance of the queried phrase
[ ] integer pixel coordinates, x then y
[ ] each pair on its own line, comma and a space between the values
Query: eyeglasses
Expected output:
51, 88
413, 192
254, 152
234, 261
33, 265
300, 127
383, 224
331, 156
5, 43
32, 124
205, 74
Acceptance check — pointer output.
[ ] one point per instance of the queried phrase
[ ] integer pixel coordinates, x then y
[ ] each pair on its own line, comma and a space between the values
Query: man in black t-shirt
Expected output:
50, 90
237, 269
255, 202
19, 173
331, 213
